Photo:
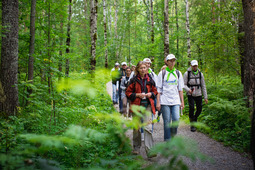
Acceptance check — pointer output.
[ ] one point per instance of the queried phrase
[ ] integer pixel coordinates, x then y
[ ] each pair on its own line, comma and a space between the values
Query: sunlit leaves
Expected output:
78, 87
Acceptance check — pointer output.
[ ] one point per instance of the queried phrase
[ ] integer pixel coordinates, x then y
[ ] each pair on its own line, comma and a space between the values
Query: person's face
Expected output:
124, 67
171, 63
117, 67
128, 71
133, 68
142, 69
148, 65
194, 68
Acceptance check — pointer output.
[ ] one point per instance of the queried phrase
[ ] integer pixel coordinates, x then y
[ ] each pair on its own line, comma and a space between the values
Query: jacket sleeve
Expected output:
129, 92
203, 86
185, 79
122, 84
154, 92
159, 83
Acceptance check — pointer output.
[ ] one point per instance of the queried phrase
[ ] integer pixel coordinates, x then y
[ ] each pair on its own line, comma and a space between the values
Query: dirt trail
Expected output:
224, 157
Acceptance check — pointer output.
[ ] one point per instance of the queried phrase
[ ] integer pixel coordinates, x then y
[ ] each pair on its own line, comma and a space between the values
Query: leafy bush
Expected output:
226, 113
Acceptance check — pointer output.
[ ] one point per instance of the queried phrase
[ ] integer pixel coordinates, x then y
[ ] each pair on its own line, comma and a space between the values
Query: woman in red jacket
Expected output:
142, 92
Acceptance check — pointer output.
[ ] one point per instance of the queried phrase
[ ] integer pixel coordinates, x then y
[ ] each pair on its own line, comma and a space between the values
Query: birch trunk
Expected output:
115, 25
93, 34
105, 35
177, 30
9, 56
166, 28
188, 29
152, 32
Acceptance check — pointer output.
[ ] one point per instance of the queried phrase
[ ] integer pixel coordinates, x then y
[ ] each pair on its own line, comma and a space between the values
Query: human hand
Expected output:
191, 90
182, 106
148, 95
140, 95
206, 101
158, 106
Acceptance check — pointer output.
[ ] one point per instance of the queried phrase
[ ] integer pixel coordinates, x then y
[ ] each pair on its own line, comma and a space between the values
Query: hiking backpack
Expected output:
198, 85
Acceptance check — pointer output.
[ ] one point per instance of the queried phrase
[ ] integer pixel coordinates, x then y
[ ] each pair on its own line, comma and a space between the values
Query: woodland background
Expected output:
55, 62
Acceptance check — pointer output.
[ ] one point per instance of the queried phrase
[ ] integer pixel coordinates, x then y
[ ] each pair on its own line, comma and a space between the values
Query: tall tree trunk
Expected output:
31, 45
249, 62
116, 28
105, 36
188, 29
166, 28
68, 39
60, 52
249, 52
152, 32
93, 35
177, 31
9, 56
146, 3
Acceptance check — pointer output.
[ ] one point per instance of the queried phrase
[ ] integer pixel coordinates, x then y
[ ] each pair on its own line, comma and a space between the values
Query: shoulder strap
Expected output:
188, 79
178, 73
163, 75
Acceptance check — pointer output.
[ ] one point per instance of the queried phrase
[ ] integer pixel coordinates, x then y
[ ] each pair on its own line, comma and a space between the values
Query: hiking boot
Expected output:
193, 129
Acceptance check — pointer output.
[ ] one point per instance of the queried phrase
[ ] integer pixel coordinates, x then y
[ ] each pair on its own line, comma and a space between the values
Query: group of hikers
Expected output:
161, 94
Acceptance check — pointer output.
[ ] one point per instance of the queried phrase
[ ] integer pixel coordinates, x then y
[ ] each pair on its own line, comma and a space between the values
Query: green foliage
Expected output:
226, 114
175, 149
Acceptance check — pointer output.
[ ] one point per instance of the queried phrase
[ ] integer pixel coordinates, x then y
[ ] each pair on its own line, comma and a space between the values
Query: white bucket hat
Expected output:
194, 63
123, 63
170, 57
147, 60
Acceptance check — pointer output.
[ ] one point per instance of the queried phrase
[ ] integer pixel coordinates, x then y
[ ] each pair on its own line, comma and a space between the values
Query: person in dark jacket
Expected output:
123, 86
194, 85
142, 91
121, 76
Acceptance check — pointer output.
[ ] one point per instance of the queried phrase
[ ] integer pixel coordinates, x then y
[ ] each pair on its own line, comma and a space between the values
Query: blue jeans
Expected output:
170, 113
115, 95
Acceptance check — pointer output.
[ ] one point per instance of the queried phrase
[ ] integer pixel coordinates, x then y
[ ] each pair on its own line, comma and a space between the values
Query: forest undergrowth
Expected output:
76, 126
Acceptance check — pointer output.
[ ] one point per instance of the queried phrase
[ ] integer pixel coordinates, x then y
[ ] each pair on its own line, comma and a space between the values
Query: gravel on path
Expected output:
224, 157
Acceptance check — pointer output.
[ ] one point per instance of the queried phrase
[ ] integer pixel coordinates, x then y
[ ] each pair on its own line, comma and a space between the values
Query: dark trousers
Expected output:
120, 101
198, 101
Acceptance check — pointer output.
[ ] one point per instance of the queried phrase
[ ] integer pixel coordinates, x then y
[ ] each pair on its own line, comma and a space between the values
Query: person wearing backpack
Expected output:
169, 86
123, 85
115, 83
122, 71
194, 85
142, 92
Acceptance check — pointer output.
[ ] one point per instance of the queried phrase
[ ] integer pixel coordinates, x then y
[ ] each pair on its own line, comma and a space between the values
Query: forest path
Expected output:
224, 157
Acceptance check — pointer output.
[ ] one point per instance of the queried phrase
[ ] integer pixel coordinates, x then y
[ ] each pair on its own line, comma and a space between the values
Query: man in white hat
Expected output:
194, 85
122, 75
